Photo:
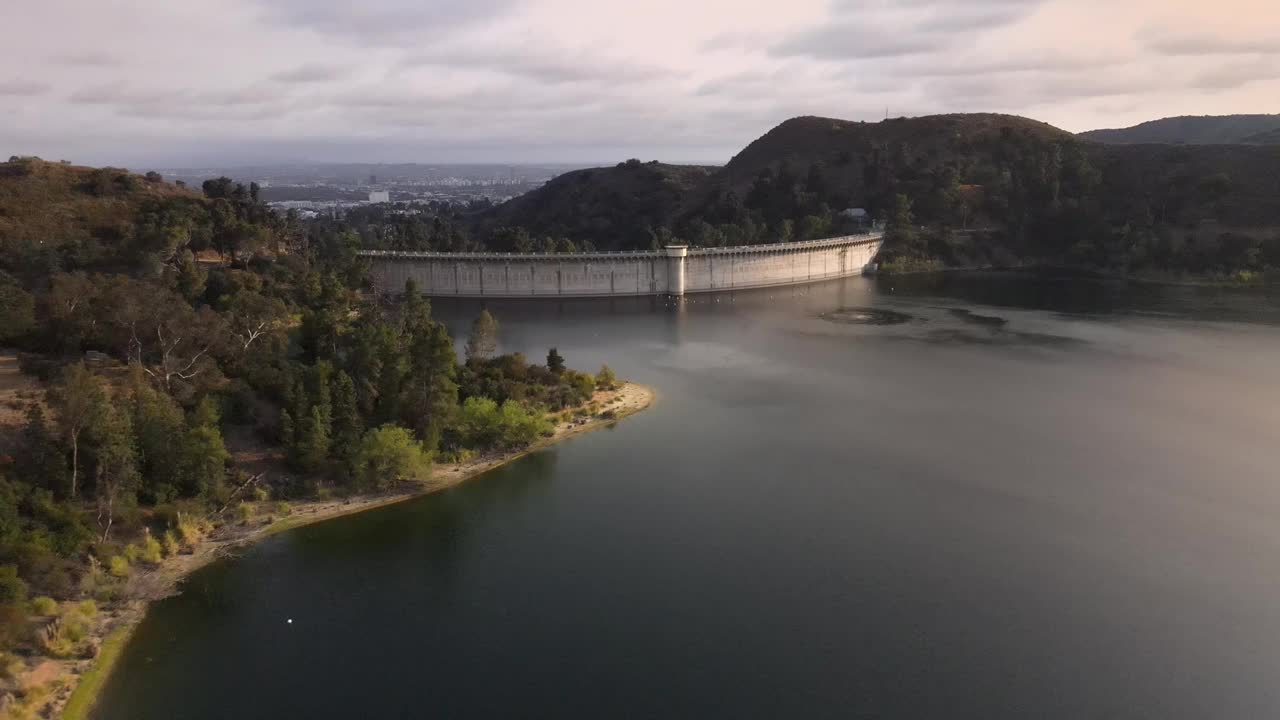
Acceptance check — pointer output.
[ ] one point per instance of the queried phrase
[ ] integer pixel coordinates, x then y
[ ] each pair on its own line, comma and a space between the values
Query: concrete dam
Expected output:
673, 270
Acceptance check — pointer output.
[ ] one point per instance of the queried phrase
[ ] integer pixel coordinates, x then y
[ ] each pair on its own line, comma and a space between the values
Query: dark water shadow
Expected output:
974, 318
866, 316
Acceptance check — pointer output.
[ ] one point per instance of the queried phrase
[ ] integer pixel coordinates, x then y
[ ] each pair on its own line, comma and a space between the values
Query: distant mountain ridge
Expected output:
1195, 130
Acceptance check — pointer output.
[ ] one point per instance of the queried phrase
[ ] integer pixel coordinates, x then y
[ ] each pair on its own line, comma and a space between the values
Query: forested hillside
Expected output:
961, 190
154, 325
1195, 130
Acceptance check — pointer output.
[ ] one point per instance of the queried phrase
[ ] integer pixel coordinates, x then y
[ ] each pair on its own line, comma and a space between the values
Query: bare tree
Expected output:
76, 400
253, 315
183, 341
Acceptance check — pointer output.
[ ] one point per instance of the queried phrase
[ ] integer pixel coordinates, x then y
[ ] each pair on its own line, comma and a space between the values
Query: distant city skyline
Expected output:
151, 83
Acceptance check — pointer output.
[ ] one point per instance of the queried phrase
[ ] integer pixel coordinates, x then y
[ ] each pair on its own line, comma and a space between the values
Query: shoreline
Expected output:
86, 678
1264, 280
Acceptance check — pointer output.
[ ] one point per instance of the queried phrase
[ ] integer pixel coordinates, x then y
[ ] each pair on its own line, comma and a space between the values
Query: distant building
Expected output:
379, 196
858, 215
373, 179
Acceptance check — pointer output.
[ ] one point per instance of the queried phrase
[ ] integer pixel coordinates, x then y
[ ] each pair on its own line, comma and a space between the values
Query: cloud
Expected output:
543, 65
310, 73
88, 58
736, 41
870, 29
851, 41
1043, 61
179, 103
23, 88
420, 80
1234, 75
1194, 43
378, 22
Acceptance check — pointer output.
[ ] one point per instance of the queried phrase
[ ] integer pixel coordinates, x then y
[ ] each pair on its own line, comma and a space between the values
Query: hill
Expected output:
1267, 137
48, 207
990, 189
1195, 130
612, 208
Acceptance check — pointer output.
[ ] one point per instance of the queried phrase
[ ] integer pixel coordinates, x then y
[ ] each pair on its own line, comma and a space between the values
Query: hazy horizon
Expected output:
151, 83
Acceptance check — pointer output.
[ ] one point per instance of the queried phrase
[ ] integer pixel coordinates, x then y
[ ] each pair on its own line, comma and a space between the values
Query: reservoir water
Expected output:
966, 497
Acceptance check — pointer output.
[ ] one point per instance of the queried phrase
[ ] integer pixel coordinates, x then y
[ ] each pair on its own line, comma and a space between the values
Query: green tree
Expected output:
159, 431
520, 425
252, 315
13, 590
479, 422
483, 342
430, 387
606, 379
76, 399
115, 462
901, 229
205, 453
347, 425
17, 310
555, 361
390, 454
44, 463
190, 278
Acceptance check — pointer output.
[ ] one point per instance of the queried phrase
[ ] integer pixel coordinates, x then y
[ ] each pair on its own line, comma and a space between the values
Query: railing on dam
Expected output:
673, 270
865, 237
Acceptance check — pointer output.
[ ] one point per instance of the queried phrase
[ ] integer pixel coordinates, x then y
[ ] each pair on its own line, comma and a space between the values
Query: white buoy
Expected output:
289, 621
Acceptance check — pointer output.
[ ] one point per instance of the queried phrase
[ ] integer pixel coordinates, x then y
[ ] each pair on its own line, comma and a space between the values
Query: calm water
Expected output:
1035, 498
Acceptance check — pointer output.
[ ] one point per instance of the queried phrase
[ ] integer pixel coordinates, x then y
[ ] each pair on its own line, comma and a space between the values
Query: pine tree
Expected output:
44, 463
205, 453
347, 427
555, 362
431, 389
313, 442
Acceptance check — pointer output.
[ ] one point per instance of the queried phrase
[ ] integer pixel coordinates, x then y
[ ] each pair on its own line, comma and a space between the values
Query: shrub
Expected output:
245, 511
150, 551
190, 529
606, 379
132, 553
10, 665
118, 566
86, 609
170, 543
45, 606
12, 589
390, 454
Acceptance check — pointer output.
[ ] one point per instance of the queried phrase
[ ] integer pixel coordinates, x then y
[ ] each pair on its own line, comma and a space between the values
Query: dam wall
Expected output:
673, 270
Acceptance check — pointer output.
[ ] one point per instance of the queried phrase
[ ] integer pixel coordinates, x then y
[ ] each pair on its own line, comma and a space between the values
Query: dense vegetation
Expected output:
1196, 130
981, 190
154, 357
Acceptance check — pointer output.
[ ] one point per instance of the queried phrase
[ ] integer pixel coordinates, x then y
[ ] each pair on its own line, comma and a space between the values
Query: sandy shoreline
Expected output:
85, 678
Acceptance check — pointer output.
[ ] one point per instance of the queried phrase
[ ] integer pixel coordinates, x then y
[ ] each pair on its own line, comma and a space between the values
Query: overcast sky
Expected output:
180, 82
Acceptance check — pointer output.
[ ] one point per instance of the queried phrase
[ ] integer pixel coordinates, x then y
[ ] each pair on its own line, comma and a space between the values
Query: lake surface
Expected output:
977, 496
